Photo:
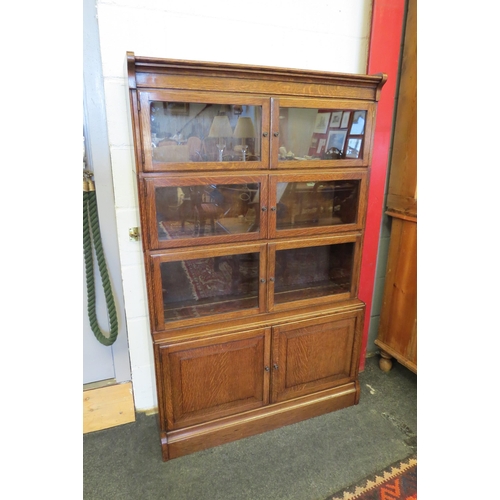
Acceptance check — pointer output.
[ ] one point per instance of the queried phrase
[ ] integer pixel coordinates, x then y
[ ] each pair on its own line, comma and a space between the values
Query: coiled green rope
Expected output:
92, 236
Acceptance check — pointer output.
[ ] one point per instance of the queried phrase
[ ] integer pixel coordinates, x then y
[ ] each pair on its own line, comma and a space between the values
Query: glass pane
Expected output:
213, 285
305, 273
203, 210
321, 134
316, 203
198, 132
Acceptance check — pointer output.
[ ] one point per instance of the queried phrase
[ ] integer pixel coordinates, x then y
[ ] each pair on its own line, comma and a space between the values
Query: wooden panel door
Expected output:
313, 355
211, 378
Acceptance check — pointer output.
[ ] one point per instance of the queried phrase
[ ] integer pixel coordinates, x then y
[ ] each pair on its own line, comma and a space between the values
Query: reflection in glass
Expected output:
358, 123
210, 209
213, 285
305, 273
319, 134
316, 203
353, 148
199, 132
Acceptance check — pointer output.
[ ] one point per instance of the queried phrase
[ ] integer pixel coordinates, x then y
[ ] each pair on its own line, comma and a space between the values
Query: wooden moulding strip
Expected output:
348, 308
152, 65
200, 437
254, 86
107, 407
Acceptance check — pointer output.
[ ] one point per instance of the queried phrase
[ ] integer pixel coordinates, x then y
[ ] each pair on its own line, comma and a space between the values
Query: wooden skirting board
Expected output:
107, 407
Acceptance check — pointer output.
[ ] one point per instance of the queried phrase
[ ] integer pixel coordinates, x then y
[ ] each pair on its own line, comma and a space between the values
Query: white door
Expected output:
101, 362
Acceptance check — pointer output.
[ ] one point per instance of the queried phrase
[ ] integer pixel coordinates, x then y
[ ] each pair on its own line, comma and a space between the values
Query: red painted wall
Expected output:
383, 57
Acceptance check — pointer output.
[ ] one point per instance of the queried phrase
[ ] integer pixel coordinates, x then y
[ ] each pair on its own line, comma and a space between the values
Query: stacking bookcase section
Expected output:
252, 185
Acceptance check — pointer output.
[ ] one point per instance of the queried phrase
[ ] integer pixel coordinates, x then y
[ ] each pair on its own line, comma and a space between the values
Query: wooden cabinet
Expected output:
397, 335
252, 187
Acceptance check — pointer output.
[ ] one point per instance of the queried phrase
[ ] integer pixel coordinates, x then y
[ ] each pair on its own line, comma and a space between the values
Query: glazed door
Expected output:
317, 133
314, 204
184, 130
208, 284
212, 378
312, 271
314, 355
201, 210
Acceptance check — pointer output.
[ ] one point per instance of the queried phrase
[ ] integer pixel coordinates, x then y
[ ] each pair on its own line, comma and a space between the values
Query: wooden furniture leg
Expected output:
385, 362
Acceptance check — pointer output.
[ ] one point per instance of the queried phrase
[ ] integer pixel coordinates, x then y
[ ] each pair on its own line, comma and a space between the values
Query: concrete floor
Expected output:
306, 461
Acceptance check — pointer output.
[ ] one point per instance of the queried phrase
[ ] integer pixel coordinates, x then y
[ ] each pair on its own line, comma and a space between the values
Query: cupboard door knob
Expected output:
265, 134
271, 280
266, 368
262, 280
275, 366
264, 209
276, 134
273, 209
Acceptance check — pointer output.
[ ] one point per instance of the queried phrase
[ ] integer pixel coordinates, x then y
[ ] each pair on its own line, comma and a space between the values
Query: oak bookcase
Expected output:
252, 186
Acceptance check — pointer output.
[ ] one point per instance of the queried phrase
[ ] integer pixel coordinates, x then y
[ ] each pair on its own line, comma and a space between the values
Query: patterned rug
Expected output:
396, 482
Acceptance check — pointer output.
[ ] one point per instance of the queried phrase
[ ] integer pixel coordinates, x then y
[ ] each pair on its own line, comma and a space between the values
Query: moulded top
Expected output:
151, 72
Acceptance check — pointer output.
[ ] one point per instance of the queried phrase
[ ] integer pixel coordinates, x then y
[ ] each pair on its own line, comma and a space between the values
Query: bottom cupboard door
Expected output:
211, 378
314, 355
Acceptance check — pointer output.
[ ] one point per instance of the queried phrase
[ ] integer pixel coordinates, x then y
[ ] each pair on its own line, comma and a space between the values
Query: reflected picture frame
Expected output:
336, 139
321, 124
176, 108
336, 119
358, 123
354, 145
345, 119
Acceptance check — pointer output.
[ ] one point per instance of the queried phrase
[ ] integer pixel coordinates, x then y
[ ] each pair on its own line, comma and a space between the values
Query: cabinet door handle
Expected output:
271, 280
262, 280
265, 134
264, 209
275, 366
266, 368
276, 134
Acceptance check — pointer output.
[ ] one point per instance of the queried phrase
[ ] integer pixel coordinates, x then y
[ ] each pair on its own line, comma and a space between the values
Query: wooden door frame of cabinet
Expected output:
155, 258
178, 179
281, 390
316, 102
146, 96
360, 174
169, 362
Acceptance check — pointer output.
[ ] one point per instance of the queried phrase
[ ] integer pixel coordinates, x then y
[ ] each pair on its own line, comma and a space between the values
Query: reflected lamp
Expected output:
244, 130
220, 128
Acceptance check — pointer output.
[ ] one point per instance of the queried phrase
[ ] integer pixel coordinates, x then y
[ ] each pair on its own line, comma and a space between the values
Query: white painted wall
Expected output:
330, 35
